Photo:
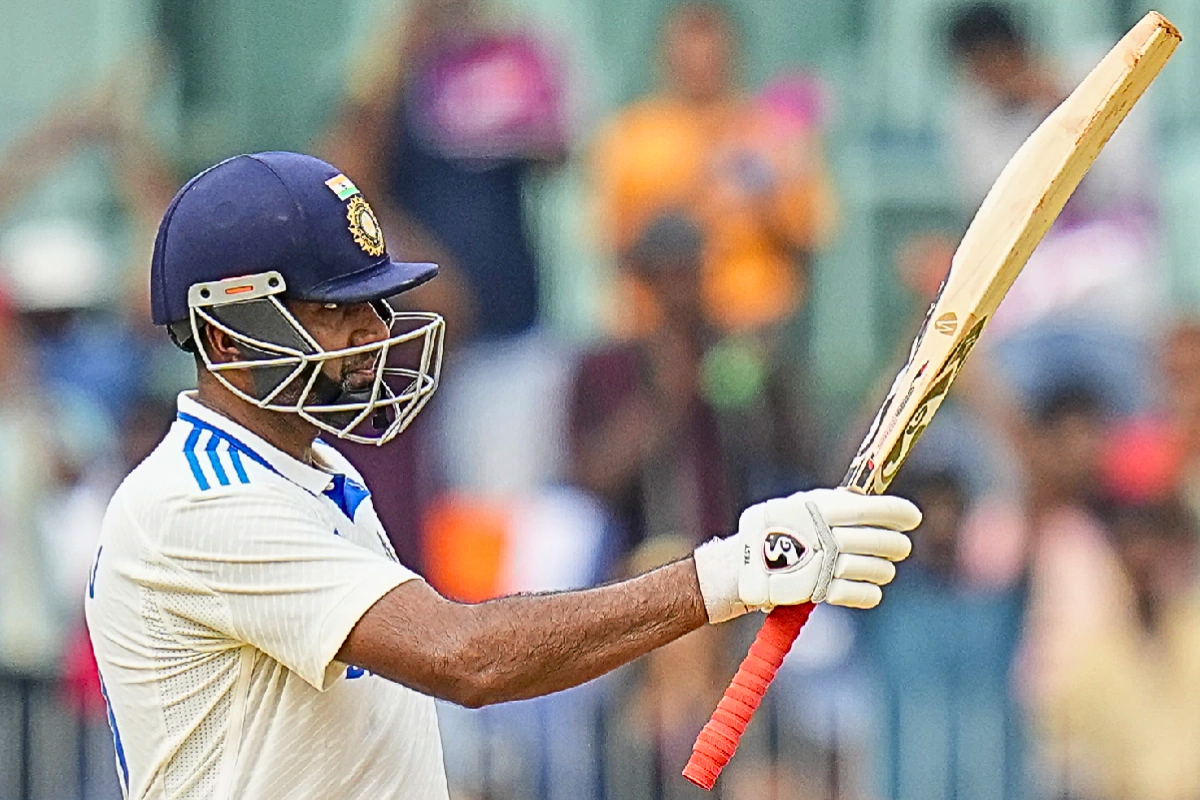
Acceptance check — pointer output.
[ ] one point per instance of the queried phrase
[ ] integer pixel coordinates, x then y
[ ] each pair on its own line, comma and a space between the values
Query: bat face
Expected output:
1015, 215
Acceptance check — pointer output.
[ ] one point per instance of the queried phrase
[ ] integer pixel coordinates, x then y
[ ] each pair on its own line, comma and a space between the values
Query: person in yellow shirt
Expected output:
1124, 723
747, 170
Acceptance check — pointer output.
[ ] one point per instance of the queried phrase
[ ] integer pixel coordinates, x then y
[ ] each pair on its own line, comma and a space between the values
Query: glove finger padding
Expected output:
842, 508
853, 594
892, 545
878, 571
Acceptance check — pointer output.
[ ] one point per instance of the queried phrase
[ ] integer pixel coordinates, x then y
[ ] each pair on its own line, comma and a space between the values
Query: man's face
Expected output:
698, 51
677, 287
1001, 68
340, 326
1066, 453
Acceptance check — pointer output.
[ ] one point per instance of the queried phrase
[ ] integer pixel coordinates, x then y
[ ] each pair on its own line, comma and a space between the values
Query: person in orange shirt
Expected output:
749, 171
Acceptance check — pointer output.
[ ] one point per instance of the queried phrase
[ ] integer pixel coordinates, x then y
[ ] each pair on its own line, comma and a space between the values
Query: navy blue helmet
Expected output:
253, 232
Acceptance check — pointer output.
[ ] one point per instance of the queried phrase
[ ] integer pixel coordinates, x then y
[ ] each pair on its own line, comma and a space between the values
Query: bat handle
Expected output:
719, 739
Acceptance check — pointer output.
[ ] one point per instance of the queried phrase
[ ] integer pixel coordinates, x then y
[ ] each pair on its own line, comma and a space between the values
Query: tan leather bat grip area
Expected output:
718, 740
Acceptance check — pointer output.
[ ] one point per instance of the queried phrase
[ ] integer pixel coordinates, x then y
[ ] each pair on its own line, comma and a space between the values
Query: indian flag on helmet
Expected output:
342, 186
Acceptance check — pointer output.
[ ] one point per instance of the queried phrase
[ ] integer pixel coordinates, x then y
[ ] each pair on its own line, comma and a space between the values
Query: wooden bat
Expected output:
1017, 212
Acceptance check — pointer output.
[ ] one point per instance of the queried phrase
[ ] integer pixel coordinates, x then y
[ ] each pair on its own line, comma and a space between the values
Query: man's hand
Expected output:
827, 545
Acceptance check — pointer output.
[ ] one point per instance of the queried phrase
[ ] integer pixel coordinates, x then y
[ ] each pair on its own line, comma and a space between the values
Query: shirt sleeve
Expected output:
284, 583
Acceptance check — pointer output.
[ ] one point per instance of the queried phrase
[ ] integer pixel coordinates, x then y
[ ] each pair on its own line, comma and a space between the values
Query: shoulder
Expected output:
192, 461
198, 478
651, 118
629, 122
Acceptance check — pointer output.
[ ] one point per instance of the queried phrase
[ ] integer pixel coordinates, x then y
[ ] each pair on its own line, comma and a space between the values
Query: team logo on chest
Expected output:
364, 227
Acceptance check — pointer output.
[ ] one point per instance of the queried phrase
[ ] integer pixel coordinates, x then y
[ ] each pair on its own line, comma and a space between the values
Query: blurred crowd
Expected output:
1044, 638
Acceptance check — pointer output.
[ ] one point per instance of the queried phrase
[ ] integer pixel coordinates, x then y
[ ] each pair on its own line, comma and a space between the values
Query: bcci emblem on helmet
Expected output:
783, 552
364, 227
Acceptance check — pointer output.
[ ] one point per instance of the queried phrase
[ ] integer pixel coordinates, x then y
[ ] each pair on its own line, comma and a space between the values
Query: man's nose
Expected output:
369, 327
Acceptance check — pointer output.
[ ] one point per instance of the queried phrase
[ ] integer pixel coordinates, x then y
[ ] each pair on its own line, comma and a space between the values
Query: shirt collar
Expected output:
304, 475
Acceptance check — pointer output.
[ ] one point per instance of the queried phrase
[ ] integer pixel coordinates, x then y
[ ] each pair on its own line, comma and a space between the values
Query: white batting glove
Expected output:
826, 545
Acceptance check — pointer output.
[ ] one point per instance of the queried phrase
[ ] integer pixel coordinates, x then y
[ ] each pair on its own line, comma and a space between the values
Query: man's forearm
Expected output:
535, 644
525, 645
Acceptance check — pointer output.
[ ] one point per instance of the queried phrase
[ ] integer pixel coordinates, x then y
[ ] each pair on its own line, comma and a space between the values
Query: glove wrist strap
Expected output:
717, 567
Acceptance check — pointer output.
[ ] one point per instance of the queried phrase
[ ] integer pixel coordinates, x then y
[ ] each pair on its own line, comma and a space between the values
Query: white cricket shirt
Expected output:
227, 577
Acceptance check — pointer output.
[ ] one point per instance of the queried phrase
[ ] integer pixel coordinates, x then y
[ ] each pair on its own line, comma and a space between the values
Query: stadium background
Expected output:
193, 82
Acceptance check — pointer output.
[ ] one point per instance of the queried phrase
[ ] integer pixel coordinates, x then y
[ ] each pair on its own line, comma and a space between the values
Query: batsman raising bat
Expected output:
255, 634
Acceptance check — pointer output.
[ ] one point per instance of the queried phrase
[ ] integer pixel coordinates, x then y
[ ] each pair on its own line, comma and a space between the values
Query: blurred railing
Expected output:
50, 748
577, 745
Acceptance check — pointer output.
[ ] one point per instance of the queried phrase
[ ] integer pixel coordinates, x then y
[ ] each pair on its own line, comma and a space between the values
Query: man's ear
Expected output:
221, 347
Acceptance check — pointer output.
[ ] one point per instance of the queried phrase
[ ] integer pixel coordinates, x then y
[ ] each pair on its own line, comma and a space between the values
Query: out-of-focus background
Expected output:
685, 246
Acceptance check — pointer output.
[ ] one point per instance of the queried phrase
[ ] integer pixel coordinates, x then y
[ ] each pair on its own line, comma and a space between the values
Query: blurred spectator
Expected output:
1006, 89
1073, 573
644, 439
748, 170
30, 625
1125, 721
60, 282
1005, 92
444, 125
768, 426
1087, 303
941, 651
78, 275
448, 119
89, 355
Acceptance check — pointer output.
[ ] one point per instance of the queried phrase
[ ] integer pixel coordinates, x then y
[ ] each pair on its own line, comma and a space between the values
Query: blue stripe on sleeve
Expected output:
236, 457
189, 450
234, 442
215, 460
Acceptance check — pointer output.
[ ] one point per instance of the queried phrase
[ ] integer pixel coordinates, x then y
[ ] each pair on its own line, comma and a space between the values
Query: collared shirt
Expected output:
227, 577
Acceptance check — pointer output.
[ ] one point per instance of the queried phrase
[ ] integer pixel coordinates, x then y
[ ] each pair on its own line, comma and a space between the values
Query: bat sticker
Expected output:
930, 403
858, 469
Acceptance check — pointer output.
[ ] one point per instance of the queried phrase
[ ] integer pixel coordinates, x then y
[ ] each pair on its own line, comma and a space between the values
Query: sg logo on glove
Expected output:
783, 552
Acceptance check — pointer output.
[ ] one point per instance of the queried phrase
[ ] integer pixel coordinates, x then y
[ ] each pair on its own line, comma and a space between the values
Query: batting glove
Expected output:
826, 545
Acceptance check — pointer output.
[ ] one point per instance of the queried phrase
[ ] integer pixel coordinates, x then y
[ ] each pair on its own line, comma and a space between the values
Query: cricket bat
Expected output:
1015, 215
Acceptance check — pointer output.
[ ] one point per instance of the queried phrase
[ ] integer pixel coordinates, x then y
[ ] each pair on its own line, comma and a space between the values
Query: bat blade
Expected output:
1018, 210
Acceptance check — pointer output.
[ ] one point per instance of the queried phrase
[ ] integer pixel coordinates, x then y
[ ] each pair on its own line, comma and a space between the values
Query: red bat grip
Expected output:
719, 739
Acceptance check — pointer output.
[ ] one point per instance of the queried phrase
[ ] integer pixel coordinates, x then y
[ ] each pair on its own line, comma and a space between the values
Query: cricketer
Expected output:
256, 636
